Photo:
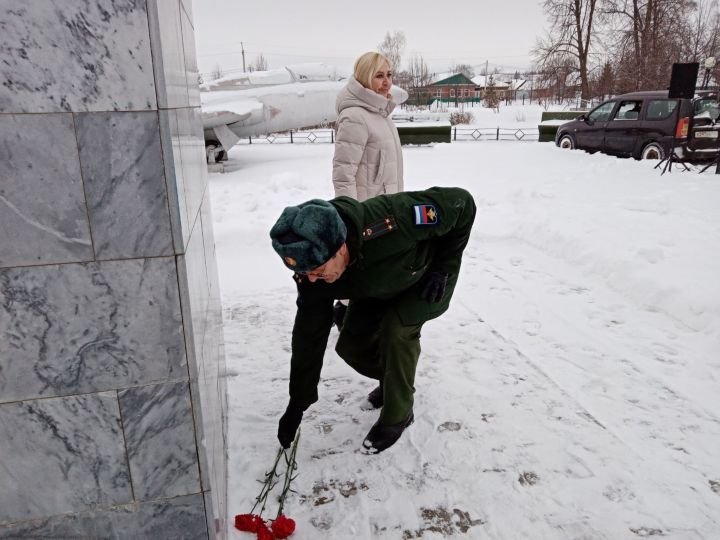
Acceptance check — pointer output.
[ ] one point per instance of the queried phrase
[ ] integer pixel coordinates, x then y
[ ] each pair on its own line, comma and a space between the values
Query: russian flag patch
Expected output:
425, 214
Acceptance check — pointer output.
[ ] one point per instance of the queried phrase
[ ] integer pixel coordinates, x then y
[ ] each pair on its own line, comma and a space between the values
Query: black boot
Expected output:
339, 314
381, 436
376, 398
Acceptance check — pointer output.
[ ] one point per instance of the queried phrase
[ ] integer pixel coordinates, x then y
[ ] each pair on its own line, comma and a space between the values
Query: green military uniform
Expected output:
394, 241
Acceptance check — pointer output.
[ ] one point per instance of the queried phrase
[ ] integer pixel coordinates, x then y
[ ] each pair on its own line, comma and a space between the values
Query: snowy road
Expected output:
571, 392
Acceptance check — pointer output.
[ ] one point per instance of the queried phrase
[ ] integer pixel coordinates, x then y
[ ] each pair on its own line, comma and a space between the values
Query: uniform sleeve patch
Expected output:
379, 228
425, 214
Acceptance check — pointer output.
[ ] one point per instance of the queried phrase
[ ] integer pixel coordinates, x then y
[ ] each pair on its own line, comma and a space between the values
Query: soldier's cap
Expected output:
308, 235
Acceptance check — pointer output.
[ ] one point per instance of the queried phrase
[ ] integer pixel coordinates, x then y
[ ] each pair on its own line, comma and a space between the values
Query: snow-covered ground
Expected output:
572, 391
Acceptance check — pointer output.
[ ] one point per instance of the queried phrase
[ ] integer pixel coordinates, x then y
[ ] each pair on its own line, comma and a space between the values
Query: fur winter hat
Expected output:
308, 235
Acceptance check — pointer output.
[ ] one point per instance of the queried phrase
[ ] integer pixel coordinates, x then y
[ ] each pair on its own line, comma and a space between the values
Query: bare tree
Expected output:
415, 80
605, 82
649, 36
260, 63
393, 47
465, 69
571, 35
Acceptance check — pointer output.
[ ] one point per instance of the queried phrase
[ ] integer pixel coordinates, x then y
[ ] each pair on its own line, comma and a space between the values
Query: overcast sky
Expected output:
336, 32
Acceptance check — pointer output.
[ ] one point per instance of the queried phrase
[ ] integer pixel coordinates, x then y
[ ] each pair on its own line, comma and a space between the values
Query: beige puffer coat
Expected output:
368, 158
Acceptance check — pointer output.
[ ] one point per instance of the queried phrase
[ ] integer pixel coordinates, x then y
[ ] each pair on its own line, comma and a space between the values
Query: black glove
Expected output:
432, 287
288, 425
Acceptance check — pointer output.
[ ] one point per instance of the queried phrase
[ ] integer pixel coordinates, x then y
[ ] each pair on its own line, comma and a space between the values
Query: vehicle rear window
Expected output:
709, 107
660, 109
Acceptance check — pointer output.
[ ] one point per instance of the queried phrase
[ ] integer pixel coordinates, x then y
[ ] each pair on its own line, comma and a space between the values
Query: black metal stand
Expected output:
715, 162
668, 161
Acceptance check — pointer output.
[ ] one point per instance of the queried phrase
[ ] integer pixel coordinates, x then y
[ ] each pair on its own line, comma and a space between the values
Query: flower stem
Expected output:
269, 483
289, 477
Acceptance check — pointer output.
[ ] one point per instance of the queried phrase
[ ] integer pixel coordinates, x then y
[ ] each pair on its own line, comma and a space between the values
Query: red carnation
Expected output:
283, 526
248, 522
263, 533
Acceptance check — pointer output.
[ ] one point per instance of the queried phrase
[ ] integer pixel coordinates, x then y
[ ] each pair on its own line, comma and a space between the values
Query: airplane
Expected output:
262, 102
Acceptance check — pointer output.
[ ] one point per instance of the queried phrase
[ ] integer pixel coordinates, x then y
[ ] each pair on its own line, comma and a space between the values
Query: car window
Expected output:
602, 112
660, 109
706, 107
628, 110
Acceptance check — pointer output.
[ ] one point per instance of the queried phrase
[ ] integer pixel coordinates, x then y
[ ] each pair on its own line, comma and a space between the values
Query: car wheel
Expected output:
652, 151
566, 142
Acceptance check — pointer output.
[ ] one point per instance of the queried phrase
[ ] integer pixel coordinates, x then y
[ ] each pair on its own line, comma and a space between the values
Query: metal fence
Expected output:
458, 133
495, 134
292, 137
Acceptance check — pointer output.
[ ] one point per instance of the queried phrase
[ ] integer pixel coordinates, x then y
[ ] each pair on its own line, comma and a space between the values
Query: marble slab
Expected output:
166, 41
75, 55
187, 6
192, 73
61, 455
192, 153
124, 177
43, 217
170, 134
79, 328
180, 518
194, 296
160, 440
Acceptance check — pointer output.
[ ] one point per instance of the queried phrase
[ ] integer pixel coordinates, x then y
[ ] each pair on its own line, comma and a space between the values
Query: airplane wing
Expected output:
220, 111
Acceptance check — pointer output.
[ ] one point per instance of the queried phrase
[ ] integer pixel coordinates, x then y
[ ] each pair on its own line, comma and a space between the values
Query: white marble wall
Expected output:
112, 374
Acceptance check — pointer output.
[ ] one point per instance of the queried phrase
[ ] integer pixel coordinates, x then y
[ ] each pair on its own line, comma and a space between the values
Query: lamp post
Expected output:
709, 64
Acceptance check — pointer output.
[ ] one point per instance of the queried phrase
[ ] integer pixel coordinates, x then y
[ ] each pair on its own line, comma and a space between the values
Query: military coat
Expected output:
394, 241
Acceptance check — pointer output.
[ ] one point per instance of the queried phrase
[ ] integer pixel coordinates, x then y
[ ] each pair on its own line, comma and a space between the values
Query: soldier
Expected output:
397, 258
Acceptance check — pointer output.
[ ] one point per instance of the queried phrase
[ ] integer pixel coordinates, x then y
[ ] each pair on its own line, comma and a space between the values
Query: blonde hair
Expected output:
366, 66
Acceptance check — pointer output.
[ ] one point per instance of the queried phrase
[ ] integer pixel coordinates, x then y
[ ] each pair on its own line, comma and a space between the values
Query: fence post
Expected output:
497, 134
455, 133
291, 139
250, 139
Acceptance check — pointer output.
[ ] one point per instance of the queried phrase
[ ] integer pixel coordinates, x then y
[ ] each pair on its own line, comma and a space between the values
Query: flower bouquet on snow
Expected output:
282, 526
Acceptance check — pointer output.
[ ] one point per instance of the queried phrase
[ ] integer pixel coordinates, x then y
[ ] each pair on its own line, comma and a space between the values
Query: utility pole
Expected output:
242, 48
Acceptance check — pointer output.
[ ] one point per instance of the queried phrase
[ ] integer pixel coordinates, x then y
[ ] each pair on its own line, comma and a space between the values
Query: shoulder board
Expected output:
379, 228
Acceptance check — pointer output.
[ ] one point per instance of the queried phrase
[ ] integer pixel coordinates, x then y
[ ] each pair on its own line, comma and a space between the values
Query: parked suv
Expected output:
646, 125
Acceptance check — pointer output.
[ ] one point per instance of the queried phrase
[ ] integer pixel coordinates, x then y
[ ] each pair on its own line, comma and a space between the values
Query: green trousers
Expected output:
375, 343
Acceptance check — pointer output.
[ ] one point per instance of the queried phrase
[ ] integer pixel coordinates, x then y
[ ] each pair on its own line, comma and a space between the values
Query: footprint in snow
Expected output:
449, 426
528, 478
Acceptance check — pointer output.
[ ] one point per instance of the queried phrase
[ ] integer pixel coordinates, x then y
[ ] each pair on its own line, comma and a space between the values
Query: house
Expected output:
455, 88
483, 83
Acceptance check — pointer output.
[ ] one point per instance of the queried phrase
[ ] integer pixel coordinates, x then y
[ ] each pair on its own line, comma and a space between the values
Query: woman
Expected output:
368, 159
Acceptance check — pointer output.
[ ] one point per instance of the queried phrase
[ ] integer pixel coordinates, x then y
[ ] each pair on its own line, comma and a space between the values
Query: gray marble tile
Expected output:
79, 328
166, 41
75, 55
61, 455
169, 132
180, 518
124, 184
192, 73
217, 521
194, 296
158, 426
203, 456
188, 7
210, 252
43, 218
192, 153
